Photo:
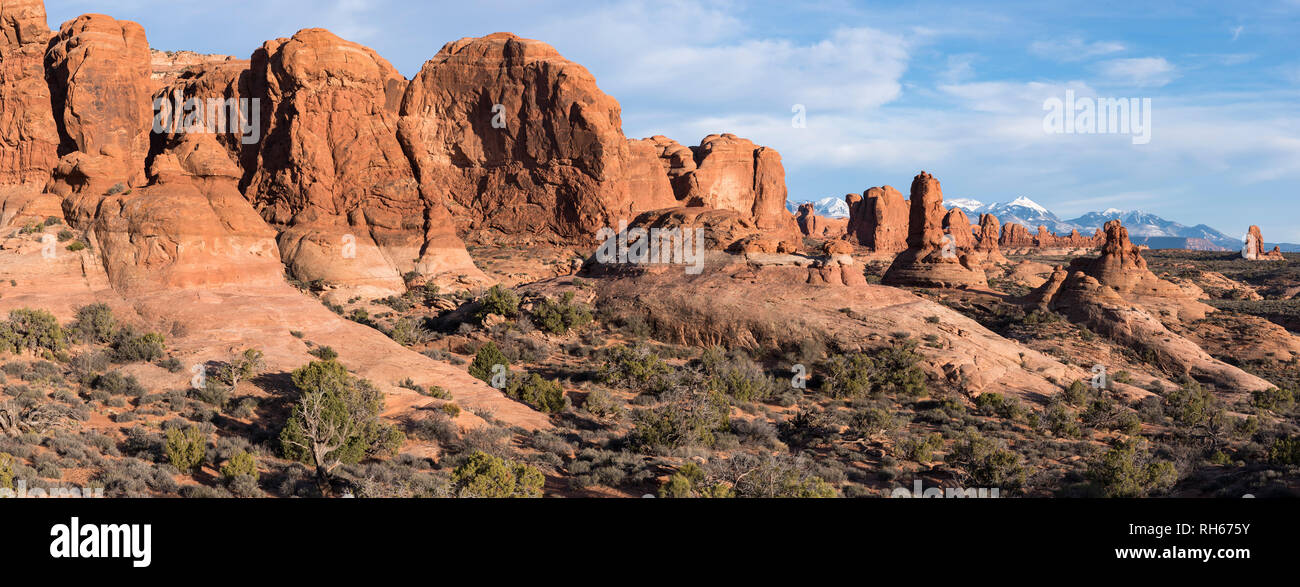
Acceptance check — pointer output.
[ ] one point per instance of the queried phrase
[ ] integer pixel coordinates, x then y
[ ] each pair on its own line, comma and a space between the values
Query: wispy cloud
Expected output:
1143, 72
1074, 49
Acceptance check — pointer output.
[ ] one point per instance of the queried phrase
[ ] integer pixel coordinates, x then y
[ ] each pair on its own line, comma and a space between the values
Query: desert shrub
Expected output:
130, 347
689, 482
602, 404
407, 331
1285, 451
736, 376
608, 468
633, 367
1062, 422
6, 471
984, 463
562, 316
115, 383
185, 449
685, 418
872, 421
996, 404
324, 353
212, 393
1076, 394
920, 449
240, 464
437, 427
484, 475
769, 476
34, 330
500, 301
1127, 470
848, 376
485, 360
893, 369
542, 394
1273, 400
1191, 405
77, 245
899, 369
94, 323
336, 419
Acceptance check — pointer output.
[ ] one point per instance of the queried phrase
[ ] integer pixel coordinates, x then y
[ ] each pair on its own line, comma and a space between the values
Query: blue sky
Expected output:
954, 88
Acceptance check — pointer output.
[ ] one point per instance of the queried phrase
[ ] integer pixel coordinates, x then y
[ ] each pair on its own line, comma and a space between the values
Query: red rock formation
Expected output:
957, 224
813, 225
678, 163
29, 139
987, 246
331, 173
1254, 249
735, 174
98, 71
931, 260
879, 220
519, 140
1015, 236
648, 174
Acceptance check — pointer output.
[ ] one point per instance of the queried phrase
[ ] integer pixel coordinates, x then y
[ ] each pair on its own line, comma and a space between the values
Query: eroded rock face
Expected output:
520, 140
1122, 267
957, 224
29, 139
879, 220
736, 174
330, 172
98, 72
931, 260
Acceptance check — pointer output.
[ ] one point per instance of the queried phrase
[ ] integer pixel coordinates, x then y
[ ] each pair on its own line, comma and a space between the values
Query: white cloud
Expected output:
1144, 72
1074, 49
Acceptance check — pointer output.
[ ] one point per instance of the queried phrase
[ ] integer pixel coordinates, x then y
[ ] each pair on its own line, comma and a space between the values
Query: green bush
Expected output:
985, 464
736, 376
541, 394
689, 482
336, 419
920, 449
185, 449
562, 316
1273, 400
76, 246
324, 353
483, 475
1191, 405
241, 463
631, 367
684, 419
848, 376
6, 471
1285, 451
1127, 470
500, 301
129, 347
488, 356
35, 330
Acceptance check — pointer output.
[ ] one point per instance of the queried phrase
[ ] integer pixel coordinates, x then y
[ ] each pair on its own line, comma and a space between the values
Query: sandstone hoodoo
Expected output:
1254, 248
879, 220
987, 247
932, 258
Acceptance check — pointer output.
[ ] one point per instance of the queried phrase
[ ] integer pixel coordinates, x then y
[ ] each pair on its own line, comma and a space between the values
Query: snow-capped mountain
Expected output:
1022, 210
1143, 225
828, 207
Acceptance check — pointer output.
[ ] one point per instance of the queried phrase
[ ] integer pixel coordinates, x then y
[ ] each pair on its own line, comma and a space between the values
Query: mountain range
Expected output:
1144, 228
